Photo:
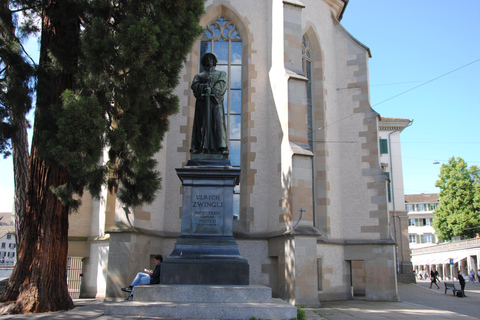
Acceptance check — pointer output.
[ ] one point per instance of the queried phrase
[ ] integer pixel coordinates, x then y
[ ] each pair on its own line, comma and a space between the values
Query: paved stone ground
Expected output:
418, 302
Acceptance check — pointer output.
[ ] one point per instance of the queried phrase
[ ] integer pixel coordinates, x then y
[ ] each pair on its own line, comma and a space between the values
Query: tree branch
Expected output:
26, 53
22, 9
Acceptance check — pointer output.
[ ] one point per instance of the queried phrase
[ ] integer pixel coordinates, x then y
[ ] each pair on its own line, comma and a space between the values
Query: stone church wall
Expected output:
341, 236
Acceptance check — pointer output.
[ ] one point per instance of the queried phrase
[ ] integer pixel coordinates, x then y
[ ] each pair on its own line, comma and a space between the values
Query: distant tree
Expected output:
16, 89
458, 213
106, 77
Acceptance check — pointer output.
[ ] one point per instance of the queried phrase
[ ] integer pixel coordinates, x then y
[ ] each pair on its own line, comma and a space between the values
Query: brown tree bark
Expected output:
18, 121
19, 142
20, 168
42, 264
39, 280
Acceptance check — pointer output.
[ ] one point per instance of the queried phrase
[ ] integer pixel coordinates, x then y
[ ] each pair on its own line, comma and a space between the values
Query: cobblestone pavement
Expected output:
418, 302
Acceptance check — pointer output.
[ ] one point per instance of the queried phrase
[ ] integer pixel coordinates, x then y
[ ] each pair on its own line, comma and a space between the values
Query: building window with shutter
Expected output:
383, 146
427, 238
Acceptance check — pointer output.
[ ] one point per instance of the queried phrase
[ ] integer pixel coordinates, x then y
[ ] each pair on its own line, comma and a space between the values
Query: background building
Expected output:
312, 204
427, 254
391, 163
6, 219
447, 258
8, 247
420, 209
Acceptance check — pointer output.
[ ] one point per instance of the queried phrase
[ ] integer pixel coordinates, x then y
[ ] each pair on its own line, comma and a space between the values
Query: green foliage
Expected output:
458, 213
123, 63
78, 145
131, 57
301, 314
16, 73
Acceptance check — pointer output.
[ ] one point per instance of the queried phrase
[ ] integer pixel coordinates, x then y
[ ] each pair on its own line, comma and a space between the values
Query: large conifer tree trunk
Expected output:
16, 75
118, 36
17, 98
20, 168
39, 281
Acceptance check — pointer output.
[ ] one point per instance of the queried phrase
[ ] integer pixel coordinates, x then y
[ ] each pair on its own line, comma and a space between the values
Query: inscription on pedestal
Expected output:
207, 211
206, 252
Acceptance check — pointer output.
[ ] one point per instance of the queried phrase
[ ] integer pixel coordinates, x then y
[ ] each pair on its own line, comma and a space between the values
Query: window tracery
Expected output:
222, 38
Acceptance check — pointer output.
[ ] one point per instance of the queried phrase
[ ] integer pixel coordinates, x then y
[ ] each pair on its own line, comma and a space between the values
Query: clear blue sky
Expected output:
412, 42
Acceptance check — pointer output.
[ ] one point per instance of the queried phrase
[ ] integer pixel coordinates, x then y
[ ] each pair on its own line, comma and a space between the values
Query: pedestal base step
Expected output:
203, 293
276, 309
205, 272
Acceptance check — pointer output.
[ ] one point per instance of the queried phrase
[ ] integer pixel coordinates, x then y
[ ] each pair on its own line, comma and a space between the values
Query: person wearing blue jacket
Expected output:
148, 277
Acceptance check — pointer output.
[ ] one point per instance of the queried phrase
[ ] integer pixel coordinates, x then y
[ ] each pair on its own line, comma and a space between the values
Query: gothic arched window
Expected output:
221, 37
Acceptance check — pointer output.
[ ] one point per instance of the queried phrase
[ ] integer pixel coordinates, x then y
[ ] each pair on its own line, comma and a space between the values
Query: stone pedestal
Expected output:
203, 302
206, 251
203, 294
205, 277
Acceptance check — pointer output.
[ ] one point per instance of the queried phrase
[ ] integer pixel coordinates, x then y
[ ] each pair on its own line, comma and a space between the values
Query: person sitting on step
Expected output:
148, 277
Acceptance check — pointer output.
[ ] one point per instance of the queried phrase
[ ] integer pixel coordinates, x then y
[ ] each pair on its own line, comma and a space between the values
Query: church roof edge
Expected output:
343, 10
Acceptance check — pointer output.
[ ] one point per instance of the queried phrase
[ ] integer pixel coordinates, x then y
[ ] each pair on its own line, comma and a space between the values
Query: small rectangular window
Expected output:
412, 238
427, 238
421, 207
383, 146
389, 187
319, 274
409, 207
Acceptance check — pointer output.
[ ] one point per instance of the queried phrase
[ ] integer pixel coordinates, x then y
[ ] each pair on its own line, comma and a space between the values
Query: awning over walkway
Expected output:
436, 258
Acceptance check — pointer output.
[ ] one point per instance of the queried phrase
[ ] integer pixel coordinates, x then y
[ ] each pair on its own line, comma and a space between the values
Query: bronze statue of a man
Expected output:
209, 134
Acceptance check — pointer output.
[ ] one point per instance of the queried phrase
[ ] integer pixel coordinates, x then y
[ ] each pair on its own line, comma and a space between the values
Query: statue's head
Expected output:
209, 59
